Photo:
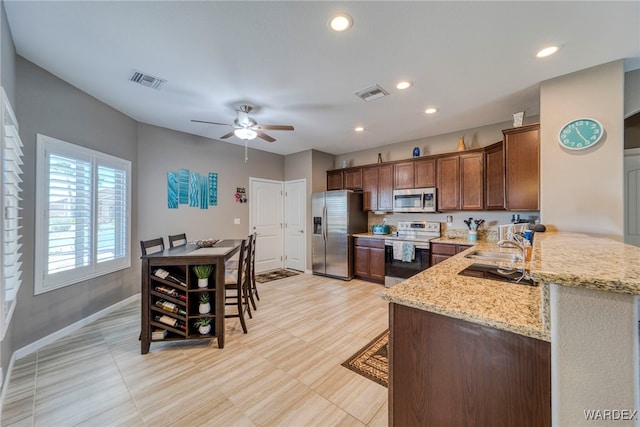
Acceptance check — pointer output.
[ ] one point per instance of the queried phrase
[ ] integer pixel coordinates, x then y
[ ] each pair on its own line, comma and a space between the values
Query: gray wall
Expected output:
162, 150
52, 107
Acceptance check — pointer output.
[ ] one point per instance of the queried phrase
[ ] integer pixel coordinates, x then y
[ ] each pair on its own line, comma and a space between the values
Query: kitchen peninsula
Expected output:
475, 351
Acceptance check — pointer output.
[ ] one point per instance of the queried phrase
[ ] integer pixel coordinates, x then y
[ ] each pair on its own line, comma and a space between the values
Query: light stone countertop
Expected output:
567, 259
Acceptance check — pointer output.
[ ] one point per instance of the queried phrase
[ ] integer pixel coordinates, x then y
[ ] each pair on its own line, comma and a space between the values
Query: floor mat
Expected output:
275, 275
372, 361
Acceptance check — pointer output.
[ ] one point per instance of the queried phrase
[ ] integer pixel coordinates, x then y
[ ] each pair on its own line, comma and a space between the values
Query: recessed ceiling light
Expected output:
341, 22
430, 110
547, 51
404, 85
359, 129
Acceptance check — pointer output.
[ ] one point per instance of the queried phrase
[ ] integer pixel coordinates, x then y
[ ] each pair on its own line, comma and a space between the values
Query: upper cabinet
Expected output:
414, 174
334, 180
353, 179
377, 185
448, 182
522, 167
472, 181
494, 177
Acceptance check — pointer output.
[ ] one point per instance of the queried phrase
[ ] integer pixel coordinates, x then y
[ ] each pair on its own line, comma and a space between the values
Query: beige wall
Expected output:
583, 190
631, 93
161, 150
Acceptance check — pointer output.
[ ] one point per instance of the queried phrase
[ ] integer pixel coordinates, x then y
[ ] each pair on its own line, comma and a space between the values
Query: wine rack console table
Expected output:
170, 292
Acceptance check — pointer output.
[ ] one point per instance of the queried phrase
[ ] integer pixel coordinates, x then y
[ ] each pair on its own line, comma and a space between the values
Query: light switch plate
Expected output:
236, 221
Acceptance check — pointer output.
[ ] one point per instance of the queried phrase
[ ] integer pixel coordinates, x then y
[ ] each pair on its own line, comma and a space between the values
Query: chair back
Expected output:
243, 262
152, 246
177, 240
252, 260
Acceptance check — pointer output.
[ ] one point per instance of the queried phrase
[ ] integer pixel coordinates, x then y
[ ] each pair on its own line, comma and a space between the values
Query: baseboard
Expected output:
37, 345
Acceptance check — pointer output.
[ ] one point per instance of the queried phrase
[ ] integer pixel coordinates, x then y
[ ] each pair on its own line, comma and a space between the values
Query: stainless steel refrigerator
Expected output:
337, 215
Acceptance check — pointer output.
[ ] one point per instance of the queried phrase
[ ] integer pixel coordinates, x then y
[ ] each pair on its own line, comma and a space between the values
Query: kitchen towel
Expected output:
408, 251
397, 250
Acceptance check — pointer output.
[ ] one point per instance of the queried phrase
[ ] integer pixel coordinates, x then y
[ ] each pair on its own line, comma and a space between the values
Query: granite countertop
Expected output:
567, 259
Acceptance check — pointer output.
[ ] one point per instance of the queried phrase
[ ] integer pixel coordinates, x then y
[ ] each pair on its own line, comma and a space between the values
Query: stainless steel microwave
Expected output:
414, 200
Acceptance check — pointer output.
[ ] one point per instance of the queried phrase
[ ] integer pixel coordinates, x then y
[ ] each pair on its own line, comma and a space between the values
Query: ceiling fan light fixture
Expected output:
245, 133
341, 22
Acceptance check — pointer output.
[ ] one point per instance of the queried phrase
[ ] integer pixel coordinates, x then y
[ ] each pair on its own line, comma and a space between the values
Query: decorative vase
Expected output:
461, 146
204, 308
203, 283
205, 329
416, 152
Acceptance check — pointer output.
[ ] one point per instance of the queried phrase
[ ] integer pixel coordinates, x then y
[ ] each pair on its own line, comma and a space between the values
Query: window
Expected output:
10, 245
83, 201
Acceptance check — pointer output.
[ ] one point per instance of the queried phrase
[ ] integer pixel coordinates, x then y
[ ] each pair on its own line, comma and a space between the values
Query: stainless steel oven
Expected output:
409, 253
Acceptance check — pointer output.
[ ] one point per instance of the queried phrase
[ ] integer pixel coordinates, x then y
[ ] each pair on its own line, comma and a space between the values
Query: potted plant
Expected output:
203, 324
202, 272
204, 307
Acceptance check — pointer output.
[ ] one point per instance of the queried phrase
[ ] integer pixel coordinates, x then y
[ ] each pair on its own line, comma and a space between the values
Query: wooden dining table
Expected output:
180, 259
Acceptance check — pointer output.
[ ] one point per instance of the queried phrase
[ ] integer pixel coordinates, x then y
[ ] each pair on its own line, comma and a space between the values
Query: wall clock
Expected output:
581, 133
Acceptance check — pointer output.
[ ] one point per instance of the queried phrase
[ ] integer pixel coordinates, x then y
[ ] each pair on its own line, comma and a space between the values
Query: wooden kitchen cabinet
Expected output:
522, 167
415, 174
494, 177
353, 179
443, 251
425, 173
368, 259
334, 180
448, 182
472, 181
446, 371
377, 185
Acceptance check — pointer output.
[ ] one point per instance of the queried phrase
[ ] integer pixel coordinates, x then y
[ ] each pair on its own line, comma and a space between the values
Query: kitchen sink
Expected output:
494, 256
499, 273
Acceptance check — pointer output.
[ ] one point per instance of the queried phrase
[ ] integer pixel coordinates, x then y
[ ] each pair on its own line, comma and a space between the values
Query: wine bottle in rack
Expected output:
170, 321
170, 292
164, 274
170, 307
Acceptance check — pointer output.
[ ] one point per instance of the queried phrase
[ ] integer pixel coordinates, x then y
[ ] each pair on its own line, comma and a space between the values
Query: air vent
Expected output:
147, 80
371, 93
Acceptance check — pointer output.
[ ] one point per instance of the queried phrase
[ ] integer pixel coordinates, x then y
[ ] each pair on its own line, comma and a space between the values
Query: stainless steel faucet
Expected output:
514, 244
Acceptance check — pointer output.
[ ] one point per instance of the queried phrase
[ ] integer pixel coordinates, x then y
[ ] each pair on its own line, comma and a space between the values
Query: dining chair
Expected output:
253, 289
236, 282
177, 240
157, 245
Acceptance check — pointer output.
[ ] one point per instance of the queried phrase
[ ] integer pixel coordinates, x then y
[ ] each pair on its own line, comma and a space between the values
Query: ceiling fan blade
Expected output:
227, 135
265, 136
211, 123
276, 127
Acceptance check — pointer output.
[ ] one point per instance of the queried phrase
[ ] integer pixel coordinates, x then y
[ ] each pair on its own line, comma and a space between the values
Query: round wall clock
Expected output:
581, 133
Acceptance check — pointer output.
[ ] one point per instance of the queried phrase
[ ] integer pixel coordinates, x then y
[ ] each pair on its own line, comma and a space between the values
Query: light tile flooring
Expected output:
285, 372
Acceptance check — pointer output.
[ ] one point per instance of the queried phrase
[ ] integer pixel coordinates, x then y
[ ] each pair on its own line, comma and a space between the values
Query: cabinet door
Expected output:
462, 248
494, 177
435, 258
522, 165
385, 188
448, 182
334, 180
403, 175
353, 179
361, 261
376, 264
472, 181
425, 173
370, 189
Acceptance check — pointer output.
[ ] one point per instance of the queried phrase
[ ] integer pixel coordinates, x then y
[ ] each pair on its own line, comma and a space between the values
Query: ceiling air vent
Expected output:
147, 80
371, 93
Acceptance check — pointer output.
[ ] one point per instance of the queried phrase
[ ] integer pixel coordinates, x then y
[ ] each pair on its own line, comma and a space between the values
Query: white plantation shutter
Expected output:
84, 230
11, 154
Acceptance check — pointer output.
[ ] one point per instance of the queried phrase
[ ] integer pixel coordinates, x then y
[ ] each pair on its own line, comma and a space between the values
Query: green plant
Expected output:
202, 321
204, 298
202, 271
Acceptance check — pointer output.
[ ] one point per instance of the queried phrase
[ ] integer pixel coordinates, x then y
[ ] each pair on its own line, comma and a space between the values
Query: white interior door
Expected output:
267, 219
295, 212
632, 196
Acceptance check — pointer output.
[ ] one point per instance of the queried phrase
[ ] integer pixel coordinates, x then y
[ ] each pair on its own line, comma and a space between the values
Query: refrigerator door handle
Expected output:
324, 223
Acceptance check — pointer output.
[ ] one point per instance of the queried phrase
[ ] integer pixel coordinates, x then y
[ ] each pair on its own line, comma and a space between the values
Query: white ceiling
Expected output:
474, 61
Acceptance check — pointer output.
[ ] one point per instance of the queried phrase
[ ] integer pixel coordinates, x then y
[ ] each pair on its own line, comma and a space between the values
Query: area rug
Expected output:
275, 275
372, 361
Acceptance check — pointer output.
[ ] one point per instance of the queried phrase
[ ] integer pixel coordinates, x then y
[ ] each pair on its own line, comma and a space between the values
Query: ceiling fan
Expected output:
246, 127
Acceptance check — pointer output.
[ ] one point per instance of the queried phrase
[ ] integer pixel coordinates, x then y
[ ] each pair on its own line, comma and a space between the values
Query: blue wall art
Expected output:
191, 188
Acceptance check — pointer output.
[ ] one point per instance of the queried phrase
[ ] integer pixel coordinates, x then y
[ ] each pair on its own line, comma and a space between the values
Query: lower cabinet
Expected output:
451, 372
368, 259
442, 251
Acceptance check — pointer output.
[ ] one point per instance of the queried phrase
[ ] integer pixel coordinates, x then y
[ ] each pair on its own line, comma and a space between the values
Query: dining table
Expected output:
182, 259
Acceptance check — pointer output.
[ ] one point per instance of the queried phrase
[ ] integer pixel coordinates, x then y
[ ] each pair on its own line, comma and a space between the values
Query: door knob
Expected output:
302, 231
